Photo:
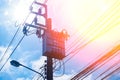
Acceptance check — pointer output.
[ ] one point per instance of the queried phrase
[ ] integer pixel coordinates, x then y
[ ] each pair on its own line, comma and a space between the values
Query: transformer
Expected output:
54, 44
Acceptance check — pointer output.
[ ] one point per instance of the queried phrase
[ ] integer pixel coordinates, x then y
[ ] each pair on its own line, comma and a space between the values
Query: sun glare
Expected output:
20, 13
92, 21
21, 10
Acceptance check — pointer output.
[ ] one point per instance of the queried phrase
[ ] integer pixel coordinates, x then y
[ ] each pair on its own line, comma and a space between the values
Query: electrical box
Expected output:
54, 44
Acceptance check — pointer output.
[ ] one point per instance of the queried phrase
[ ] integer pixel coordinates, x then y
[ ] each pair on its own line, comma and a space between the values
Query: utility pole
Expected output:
49, 68
53, 47
53, 41
49, 71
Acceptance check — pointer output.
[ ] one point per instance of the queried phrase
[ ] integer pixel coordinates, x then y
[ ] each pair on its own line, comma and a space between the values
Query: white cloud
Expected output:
26, 56
38, 63
7, 67
20, 79
36, 66
6, 13
3, 57
88, 78
64, 77
23, 79
16, 9
69, 76
2, 49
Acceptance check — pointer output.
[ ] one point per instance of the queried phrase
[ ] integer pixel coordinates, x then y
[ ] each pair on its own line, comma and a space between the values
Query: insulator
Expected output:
38, 33
25, 30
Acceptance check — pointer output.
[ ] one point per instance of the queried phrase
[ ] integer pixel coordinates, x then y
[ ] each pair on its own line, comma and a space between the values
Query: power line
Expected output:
116, 70
33, 20
91, 32
63, 66
12, 52
77, 41
76, 51
100, 65
101, 31
106, 28
95, 59
104, 31
9, 45
13, 39
41, 68
116, 63
16, 45
92, 66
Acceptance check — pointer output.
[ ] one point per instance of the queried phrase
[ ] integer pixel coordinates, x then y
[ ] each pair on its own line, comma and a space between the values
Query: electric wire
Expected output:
116, 70
9, 44
24, 21
113, 65
42, 70
77, 49
100, 60
14, 36
99, 65
12, 42
84, 32
69, 59
63, 71
54, 61
55, 68
39, 77
12, 52
95, 59
63, 65
98, 17
14, 48
94, 30
88, 63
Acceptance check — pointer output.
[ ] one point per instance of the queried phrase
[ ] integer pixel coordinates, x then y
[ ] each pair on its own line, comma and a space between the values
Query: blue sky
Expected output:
86, 22
7, 30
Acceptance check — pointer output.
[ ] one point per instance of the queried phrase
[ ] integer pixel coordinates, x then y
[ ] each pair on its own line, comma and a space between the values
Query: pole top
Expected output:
49, 24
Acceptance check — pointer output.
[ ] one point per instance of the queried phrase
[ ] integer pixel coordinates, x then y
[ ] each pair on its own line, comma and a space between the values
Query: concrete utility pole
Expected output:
53, 47
49, 68
53, 41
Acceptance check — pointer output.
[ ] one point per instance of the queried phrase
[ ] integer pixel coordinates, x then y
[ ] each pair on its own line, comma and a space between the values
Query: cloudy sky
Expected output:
93, 26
